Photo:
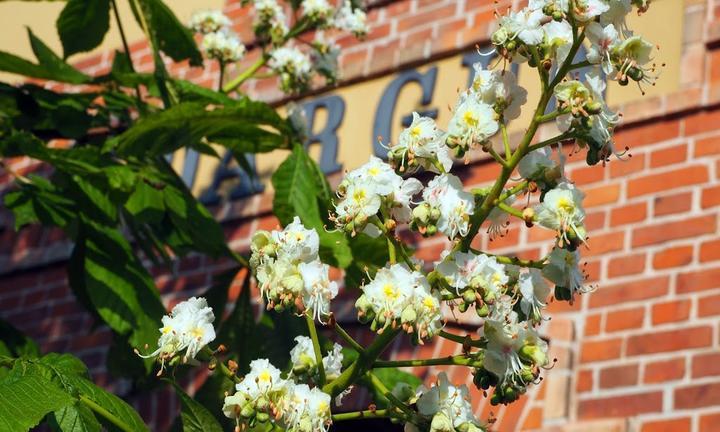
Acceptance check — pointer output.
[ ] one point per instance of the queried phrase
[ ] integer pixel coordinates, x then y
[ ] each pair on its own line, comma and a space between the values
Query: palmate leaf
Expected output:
25, 401
49, 67
58, 384
173, 38
185, 124
299, 191
194, 416
82, 25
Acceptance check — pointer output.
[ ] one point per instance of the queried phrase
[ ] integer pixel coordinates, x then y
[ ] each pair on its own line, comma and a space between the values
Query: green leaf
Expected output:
187, 123
297, 192
390, 377
195, 417
20, 66
58, 69
25, 401
120, 288
95, 200
82, 25
113, 404
369, 254
193, 223
74, 418
146, 203
40, 201
173, 38
13, 343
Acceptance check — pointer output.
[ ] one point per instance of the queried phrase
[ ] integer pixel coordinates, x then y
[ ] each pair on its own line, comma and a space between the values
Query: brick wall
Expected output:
641, 353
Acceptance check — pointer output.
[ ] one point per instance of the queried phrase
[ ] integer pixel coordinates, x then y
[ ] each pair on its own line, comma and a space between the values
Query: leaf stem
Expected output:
562, 137
465, 340
380, 386
347, 338
316, 346
247, 74
126, 47
112, 418
357, 415
458, 360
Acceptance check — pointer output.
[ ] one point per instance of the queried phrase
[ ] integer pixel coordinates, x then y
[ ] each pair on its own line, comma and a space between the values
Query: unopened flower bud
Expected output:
529, 216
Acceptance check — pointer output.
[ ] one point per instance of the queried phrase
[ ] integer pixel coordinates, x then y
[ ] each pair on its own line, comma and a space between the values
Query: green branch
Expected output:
347, 338
380, 386
316, 346
247, 74
367, 414
458, 360
464, 340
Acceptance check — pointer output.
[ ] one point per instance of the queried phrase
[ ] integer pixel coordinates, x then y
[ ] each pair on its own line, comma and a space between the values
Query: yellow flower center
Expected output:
264, 376
429, 303
166, 330
565, 205
390, 292
197, 332
415, 132
359, 195
470, 119
374, 171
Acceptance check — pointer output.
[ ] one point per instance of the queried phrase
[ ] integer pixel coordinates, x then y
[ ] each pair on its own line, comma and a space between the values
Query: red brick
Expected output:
709, 422
698, 281
416, 20
664, 370
594, 220
668, 156
621, 406
587, 174
672, 311
626, 265
619, 376
584, 381
710, 197
600, 350
655, 183
628, 214
706, 365
619, 168
667, 425
682, 229
673, 257
624, 319
534, 419
592, 324
709, 305
671, 340
601, 195
647, 134
629, 291
697, 396
710, 251
604, 243
707, 146
678, 203
702, 122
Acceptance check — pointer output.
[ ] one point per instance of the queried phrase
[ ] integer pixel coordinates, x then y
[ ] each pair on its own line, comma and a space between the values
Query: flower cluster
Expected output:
219, 41
187, 328
304, 363
401, 296
370, 192
265, 396
448, 407
289, 272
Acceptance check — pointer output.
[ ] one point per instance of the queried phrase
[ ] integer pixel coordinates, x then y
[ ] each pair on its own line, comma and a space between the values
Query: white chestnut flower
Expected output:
422, 144
605, 120
332, 362
473, 122
446, 194
587, 10
460, 268
223, 45
603, 40
534, 164
317, 10
499, 88
304, 409
402, 198
563, 269
318, 289
561, 210
209, 21
559, 39
512, 351
448, 405
270, 15
534, 291
499, 220
297, 243
523, 25
292, 65
351, 20
616, 13
303, 360
188, 327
